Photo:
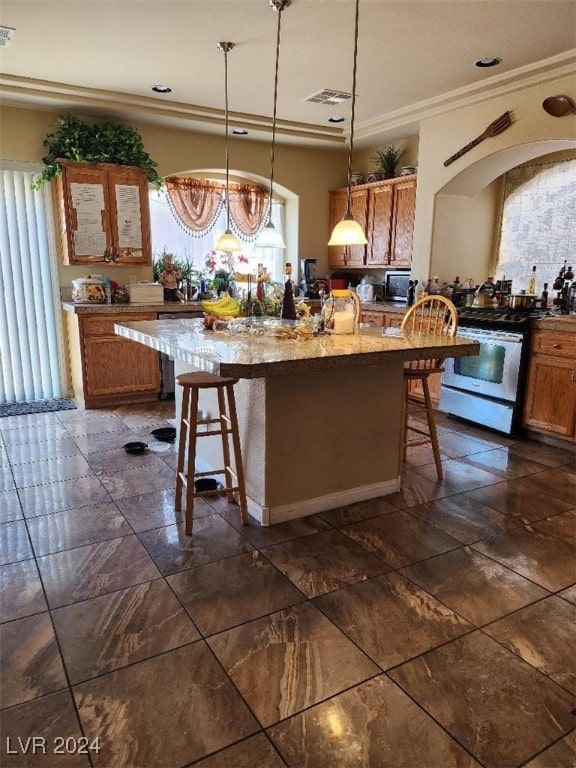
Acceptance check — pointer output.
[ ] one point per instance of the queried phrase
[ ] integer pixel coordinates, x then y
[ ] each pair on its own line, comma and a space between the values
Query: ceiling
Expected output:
415, 58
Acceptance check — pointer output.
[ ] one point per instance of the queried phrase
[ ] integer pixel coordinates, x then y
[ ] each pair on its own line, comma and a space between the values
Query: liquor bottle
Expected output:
532, 282
260, 283
288, 311
544, 297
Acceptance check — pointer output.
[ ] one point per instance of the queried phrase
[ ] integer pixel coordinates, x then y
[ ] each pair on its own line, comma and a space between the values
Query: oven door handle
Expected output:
490, 338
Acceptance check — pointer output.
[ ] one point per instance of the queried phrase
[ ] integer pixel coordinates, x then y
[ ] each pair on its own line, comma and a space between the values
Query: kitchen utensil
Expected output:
495, 128
521, 300
135, 447
559, 106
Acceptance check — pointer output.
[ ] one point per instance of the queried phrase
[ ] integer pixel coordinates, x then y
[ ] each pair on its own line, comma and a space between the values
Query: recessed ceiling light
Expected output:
240, 131
336, 119
488, 61
161, 88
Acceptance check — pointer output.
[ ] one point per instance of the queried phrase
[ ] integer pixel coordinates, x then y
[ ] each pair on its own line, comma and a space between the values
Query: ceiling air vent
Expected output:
6, 35
329, 96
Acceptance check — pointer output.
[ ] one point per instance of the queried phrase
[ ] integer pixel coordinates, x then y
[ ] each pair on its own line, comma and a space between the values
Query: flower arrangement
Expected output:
223, 262
221, 268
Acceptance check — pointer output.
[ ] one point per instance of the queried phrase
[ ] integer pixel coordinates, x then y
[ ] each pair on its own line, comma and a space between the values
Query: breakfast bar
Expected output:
320, 419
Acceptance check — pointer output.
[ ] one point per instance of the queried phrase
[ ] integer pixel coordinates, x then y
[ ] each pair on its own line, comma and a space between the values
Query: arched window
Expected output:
170, 235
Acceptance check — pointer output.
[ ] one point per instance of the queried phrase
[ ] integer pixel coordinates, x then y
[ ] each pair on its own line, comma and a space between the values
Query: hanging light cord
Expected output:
280, 8
226, 49
348, 205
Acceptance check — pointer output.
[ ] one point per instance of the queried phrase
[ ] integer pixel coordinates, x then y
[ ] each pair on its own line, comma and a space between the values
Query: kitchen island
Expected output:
320, 420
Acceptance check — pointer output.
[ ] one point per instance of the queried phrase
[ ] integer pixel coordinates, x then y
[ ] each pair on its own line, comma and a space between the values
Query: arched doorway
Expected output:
467, 209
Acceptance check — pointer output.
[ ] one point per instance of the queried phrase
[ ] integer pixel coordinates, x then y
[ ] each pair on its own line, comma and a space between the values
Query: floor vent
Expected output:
329, 96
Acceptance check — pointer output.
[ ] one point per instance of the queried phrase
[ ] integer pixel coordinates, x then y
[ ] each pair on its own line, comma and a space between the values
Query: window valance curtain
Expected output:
196, 205
248, 209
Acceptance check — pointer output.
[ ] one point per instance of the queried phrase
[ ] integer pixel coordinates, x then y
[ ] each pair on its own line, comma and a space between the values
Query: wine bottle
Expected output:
532, 282
288, 311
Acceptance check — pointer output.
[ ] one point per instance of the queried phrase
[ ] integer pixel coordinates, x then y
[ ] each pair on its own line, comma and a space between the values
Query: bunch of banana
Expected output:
225, 307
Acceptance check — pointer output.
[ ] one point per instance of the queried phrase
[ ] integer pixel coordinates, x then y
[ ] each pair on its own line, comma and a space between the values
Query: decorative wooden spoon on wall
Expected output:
558, 106
494, 129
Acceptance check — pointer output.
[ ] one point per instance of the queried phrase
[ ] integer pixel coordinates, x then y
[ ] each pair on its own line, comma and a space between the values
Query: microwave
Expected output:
396, 285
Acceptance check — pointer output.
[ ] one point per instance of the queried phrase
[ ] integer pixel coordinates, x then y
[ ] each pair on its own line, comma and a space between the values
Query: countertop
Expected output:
250, 356
126, 309
196, 306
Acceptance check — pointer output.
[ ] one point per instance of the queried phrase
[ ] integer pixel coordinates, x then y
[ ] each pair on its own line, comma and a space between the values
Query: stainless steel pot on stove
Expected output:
521, 300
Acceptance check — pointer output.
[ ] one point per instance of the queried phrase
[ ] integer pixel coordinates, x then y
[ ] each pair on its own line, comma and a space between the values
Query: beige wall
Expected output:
308, 173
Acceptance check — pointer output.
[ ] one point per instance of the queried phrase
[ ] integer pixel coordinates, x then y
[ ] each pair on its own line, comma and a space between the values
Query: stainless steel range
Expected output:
489, 389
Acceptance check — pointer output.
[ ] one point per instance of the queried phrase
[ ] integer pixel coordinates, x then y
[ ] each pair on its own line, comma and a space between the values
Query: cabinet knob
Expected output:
556, 346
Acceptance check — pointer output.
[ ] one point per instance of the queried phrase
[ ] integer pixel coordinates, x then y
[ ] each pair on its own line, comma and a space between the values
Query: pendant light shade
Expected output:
348, 231
228, 242
269, 236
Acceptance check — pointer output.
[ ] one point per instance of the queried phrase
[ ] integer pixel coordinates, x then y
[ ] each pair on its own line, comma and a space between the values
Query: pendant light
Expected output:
269, 236
228, 242
348, 231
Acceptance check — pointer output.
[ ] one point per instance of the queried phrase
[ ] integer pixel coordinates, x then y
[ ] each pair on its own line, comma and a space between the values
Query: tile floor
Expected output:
430, 629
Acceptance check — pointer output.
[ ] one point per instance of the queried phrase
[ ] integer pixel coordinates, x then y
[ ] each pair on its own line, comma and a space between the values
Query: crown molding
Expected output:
543, 71
22, 91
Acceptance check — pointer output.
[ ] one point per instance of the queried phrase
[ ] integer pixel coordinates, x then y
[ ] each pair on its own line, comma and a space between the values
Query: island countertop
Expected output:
250, 356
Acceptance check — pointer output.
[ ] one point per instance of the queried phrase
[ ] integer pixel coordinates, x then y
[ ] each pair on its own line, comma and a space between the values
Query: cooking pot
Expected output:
521, 300
365, 292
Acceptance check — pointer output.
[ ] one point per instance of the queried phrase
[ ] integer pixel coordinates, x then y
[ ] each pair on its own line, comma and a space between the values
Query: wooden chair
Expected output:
227, 422
437, 316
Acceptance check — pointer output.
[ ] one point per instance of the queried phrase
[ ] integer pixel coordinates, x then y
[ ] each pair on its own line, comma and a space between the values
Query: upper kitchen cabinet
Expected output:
353, 256
386, 210
103, 214
402, 234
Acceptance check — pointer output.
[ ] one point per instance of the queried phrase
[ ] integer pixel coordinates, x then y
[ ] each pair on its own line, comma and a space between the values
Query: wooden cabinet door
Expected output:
550, 402
380, 224
116, 366
104, 214
337, 254
129, 215
374, 318
82, 198
403, 223
393, 320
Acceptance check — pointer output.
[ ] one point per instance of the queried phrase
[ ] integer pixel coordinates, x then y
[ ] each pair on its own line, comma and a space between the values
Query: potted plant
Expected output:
81, 142
387, 160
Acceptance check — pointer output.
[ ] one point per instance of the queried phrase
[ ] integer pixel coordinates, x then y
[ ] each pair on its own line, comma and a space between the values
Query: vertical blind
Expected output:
30, 323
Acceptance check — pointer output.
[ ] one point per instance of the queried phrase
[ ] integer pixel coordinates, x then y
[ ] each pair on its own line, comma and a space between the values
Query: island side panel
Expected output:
332, 438
313, 442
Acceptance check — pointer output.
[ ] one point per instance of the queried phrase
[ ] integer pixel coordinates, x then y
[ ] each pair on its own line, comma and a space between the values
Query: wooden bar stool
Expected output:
437, 316
227, 420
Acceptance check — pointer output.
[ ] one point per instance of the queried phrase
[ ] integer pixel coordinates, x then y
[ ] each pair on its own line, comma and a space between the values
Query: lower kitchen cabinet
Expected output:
106, 369
374, 318
550, 401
